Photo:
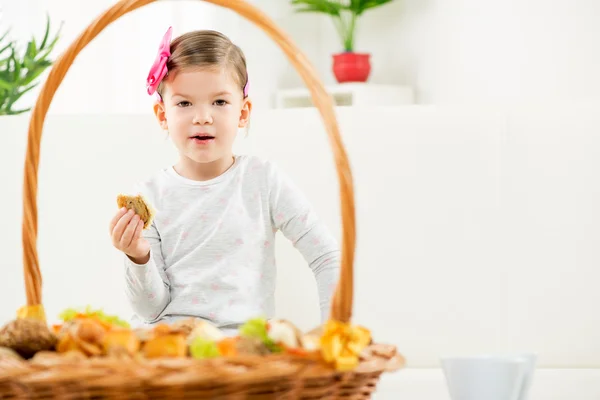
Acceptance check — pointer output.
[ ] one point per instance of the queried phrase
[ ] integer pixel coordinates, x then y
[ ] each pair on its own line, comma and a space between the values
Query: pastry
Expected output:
284, 333
27, 336
117, 339
139, 205
205, 330
167, 345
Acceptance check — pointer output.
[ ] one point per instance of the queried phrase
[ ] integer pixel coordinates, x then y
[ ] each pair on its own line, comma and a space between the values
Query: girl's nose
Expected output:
202, 116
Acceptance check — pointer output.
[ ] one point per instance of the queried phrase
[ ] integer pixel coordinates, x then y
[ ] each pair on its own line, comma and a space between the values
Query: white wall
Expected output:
477, 227
451, 51
486, 52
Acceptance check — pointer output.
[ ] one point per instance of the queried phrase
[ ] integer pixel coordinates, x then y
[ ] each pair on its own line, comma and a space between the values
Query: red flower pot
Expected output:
351, 67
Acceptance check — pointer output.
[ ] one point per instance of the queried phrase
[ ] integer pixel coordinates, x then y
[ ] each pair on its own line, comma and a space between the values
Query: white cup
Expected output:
489, 376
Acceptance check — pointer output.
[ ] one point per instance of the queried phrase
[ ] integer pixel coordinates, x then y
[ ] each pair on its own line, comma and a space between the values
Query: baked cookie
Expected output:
139, 205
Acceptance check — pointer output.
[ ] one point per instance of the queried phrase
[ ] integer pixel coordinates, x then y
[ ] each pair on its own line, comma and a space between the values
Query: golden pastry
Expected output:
27, 336
170, 345
139, 205
121, 339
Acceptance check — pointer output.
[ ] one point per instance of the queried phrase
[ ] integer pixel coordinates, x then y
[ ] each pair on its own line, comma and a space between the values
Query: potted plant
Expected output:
348, 66
19, 73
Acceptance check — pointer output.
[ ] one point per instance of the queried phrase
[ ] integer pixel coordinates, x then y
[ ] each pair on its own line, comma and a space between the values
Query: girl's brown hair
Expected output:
205, 49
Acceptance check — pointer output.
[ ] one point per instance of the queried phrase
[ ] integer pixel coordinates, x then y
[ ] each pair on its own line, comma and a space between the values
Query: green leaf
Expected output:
27, 89
28, 63
20, 70
34, 73
360, 6
257, 328
333, 7
17, 112
31, 49
4, 35
14, 98
3, 100
53, 43
44, 54
201, 348
46, 33
319, 6
355, 5
5, 48
5, 85
5, 76
71, 313
16, 66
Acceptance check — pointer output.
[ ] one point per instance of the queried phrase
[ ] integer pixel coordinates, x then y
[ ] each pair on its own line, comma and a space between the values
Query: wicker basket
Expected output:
272, 376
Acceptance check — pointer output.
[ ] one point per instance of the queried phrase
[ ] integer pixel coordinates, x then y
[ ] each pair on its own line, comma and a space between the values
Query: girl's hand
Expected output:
126, 232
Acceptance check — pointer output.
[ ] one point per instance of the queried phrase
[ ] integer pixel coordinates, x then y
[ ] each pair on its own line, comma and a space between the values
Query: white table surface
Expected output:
548, 384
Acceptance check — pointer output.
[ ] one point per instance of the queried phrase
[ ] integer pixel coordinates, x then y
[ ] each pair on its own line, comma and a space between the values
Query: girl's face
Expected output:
203, 109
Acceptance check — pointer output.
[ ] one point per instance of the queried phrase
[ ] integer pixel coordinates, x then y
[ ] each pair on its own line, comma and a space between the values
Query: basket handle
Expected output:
341, 307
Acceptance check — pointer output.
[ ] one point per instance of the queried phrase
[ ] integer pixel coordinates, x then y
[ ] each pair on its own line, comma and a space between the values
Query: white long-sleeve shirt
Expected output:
212, 245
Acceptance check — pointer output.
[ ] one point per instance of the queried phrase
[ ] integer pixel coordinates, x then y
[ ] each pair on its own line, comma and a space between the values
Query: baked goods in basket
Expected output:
94, 334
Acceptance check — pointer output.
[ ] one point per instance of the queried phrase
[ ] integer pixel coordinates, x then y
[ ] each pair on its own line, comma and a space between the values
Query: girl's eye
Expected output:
220, 102
184, 104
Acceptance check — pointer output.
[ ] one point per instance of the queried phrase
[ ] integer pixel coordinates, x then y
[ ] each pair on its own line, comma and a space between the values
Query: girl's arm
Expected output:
147, 285
292, 213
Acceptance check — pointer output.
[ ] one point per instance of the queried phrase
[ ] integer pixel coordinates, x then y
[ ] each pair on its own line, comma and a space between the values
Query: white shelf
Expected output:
349, 94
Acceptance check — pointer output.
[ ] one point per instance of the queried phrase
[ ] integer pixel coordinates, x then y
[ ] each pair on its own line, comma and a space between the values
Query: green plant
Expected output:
18, 73
344, 14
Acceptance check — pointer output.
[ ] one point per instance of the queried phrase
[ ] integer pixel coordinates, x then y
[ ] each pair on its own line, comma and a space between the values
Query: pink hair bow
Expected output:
159, 68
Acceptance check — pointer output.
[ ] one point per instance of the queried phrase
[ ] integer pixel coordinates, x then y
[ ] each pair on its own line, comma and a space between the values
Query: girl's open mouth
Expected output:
202, 139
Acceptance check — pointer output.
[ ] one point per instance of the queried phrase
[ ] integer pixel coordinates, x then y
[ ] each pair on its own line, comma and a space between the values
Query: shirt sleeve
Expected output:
147, 285
293, 215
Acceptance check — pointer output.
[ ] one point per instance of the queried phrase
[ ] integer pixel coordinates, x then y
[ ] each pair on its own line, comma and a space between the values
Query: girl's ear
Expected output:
161, 116
245, 114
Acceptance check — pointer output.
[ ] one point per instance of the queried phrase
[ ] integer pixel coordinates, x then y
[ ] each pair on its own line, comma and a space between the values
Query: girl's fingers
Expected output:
129, 232
138, 230
121, 225
116, 219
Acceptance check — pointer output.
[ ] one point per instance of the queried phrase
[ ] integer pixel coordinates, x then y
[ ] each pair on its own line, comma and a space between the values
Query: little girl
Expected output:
210, 252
